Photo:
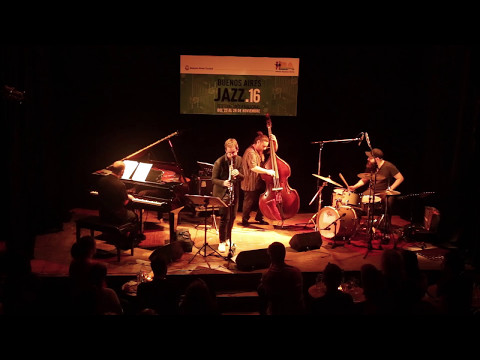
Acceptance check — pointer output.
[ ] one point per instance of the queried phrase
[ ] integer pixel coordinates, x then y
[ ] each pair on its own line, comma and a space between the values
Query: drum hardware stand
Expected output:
370, 213
312, 219
387, 224
205, 201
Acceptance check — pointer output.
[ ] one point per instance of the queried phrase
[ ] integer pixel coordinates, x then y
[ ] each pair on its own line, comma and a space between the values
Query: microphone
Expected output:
361, 138
368, 140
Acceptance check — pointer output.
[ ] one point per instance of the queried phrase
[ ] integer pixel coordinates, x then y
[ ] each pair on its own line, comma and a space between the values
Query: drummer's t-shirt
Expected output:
387, 172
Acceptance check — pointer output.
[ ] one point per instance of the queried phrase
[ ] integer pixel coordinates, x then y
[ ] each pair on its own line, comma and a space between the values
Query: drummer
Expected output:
386, 179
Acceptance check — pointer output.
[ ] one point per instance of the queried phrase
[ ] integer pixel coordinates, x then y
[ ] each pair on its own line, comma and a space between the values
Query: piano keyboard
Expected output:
139, 200
149, 202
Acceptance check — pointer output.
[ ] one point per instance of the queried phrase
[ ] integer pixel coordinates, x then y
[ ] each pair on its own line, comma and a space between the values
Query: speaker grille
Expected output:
252, 260
306, 241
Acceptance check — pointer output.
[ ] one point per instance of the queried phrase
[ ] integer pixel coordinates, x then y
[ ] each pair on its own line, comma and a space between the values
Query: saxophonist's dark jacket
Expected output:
221, 172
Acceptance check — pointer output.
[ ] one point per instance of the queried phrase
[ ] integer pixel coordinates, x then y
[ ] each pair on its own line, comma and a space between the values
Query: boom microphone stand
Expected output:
319, 188
334, 245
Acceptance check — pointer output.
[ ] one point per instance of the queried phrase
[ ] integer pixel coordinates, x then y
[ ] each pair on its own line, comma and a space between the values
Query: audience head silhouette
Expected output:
84, 248
372, 281
159, 267
276, 251
198, 299
332, 276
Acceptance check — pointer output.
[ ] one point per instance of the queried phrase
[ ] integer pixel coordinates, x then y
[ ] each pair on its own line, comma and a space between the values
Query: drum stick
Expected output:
341, 176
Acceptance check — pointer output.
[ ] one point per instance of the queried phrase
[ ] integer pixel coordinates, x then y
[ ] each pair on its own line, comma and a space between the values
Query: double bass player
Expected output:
279, 201
253, 161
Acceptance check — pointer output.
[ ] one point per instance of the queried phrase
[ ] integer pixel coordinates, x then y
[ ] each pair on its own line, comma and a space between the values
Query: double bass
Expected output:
279, 201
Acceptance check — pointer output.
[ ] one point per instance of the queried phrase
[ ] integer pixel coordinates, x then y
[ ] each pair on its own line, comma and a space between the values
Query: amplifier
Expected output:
204, 186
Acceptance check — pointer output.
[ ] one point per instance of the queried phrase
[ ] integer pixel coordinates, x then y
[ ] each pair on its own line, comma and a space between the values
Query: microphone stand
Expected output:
320, 188
334, 245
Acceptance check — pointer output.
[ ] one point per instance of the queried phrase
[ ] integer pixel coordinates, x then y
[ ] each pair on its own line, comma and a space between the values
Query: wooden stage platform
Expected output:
52, 251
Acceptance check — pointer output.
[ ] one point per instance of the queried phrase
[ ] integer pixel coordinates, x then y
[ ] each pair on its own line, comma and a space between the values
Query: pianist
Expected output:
113, 197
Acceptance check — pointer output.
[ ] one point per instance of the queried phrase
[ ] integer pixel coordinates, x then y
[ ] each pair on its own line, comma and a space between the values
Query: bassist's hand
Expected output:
270, 172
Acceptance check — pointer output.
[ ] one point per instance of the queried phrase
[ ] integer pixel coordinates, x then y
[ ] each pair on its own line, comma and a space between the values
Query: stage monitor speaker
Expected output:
252, 260
170, 252
306, 241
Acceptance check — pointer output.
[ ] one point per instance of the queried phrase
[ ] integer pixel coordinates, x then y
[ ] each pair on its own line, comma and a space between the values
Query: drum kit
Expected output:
342, 219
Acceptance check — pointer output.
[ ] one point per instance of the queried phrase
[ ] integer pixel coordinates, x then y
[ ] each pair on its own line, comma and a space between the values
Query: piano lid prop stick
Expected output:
149, 146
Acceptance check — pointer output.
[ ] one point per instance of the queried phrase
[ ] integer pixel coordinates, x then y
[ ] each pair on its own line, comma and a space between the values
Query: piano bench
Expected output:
94, 223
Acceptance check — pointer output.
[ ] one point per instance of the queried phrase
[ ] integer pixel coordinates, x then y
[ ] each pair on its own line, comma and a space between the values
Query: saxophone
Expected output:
231, 179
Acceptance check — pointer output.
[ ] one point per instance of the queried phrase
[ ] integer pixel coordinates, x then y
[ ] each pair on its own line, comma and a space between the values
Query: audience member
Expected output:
334, 301
453, 292
161, 294
281, 286
82, 253
415, 288
373, 285
198, 299
393, 270
106, 301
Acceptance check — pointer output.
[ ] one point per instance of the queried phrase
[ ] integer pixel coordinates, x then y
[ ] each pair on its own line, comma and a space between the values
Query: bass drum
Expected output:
346, 226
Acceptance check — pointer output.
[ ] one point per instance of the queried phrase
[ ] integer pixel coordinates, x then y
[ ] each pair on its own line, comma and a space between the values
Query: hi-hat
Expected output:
369, 176
389, 192
327, 180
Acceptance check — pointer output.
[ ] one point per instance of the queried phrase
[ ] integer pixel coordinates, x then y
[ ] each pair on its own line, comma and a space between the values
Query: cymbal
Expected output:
327, 180
389, 192
369, 176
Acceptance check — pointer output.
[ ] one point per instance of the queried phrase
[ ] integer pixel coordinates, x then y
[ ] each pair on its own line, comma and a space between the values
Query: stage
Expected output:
52, 250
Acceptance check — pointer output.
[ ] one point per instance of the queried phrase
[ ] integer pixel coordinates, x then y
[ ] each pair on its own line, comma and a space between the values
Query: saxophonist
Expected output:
227, 174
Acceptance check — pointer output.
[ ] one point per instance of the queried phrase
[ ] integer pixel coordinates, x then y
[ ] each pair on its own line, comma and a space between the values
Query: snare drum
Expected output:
346, 225
343, 197
366, 199
375, 201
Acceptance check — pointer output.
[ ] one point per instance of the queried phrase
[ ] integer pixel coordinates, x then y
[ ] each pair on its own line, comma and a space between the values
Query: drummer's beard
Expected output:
371, 166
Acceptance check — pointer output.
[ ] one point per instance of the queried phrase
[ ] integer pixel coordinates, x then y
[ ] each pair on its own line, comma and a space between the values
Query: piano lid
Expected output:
140, 170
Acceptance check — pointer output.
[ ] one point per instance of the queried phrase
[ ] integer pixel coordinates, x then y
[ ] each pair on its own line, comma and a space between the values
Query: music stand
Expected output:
211, 202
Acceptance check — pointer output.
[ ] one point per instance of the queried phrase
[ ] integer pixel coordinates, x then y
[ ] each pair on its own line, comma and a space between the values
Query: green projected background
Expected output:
238, 94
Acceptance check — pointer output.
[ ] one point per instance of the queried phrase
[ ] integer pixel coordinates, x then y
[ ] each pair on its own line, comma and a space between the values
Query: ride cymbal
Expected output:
389, 192
369, 176
327, 180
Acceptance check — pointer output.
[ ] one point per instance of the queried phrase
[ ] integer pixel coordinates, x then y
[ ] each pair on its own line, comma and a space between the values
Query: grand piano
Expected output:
155, 185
